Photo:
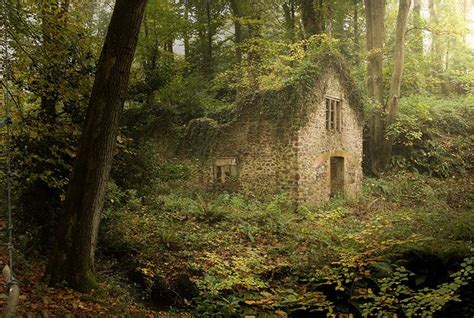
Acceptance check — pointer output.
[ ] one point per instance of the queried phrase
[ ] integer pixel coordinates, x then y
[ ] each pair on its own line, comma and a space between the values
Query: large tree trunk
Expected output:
393, 101
308, 18
72, 259
375, 15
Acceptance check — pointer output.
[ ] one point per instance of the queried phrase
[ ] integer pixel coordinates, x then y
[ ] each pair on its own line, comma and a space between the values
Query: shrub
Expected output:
434, 135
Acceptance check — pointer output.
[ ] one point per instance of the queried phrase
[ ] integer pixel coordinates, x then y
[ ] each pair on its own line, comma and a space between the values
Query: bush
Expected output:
434, 135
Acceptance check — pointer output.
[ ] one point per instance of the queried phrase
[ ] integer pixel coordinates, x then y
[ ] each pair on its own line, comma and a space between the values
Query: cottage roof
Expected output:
284, 108
290, 103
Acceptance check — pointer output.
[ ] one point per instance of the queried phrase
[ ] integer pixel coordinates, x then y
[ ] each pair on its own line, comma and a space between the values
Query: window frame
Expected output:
334, 115
223, 169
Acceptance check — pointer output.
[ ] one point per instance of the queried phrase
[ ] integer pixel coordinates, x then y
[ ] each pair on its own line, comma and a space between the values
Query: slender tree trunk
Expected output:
466, 4
417, 25
72, 259
375, 15
186, 32
330, 18
238, 36
436, 53
168, 46
321, 14
205, 36
53, 21
289, 11
396, 81
356, 28
254, 35
210, 34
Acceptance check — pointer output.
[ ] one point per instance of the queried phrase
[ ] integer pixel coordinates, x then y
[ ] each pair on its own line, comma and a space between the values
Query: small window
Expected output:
224, 169
333, 114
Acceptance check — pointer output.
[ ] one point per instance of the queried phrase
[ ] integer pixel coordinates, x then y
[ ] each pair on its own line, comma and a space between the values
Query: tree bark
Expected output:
435, 47
186, 31
238, 36
210, 33
53, 21
289, 12
396, 81
375, 16
72, 259
356, 28
330, 18
308, 18
417, 25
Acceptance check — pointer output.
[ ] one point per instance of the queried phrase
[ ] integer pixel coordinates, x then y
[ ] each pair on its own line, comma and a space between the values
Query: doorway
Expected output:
337, 175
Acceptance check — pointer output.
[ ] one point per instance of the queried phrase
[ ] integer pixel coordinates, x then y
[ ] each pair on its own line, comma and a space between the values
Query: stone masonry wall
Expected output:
265, 162
316, 145
271, 158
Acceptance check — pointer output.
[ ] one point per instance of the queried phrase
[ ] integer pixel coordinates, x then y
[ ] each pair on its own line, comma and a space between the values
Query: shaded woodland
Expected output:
110, 218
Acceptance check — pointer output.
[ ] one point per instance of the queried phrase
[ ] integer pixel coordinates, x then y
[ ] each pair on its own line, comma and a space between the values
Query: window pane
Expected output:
338, 115
341, 116
332, 114
327, 112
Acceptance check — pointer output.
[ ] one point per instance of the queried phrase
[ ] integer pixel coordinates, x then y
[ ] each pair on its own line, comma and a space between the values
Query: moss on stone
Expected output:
199, 137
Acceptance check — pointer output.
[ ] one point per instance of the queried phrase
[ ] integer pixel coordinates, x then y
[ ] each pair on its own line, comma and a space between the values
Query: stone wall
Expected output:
291, 156
265, 160
316, 145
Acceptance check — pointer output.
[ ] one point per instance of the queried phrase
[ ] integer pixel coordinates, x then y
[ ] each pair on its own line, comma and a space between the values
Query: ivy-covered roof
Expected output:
286, 107
289, 103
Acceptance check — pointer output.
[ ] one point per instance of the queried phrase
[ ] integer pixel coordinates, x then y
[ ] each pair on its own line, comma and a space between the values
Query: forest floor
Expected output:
113, 297
223, 253
234, 255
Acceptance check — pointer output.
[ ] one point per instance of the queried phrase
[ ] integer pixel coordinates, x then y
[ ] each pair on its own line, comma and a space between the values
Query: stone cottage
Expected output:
304, 139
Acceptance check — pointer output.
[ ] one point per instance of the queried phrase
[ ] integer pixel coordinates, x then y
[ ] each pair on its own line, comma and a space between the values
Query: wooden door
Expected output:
337, 175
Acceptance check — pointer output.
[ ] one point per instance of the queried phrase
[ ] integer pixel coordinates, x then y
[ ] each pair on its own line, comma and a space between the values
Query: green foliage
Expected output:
248, 257
434, 135
394, 295
293, 70
141, 166
42, 160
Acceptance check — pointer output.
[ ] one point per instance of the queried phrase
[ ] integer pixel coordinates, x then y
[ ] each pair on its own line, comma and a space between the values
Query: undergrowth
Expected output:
242, 256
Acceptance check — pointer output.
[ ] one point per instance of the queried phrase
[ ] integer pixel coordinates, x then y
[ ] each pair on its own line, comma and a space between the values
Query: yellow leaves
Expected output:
148, 272
267, 299
259, 302
77, 304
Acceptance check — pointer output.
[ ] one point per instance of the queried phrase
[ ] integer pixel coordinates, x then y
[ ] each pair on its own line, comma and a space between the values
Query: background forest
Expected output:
404, 247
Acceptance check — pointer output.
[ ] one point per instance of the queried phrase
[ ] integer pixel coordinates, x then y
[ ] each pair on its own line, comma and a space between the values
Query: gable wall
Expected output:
316, 145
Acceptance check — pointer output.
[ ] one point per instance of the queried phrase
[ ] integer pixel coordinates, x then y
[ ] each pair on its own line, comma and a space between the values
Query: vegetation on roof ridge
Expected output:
287, 104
